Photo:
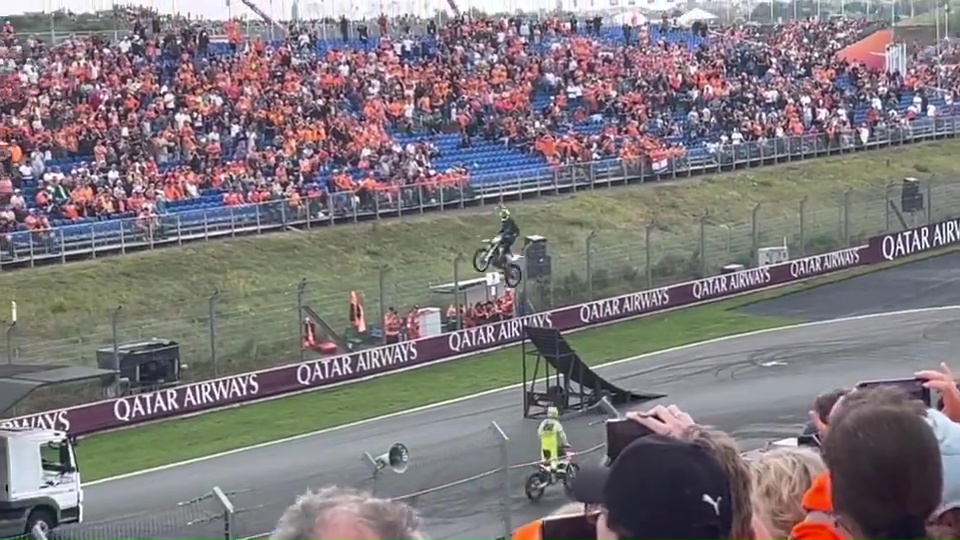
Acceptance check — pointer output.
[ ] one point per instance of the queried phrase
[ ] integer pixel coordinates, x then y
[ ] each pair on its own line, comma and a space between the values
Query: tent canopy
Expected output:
633, 17
695, 15
18, 380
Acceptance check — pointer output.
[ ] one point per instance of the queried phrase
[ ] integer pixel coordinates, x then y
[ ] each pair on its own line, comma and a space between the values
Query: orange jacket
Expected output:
819, 524
529, 531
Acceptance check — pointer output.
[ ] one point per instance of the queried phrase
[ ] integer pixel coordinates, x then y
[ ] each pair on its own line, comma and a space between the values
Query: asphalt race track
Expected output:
928, 283
755, 387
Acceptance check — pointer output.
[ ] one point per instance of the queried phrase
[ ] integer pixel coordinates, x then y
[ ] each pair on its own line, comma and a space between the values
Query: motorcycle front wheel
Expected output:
534, 487
481, 259
513, 275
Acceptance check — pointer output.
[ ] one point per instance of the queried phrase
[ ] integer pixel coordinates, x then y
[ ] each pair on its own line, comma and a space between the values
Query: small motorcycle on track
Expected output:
541, 479
487, 256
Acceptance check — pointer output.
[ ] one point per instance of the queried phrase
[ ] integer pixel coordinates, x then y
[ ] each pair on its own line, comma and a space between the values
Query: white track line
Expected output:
510, 387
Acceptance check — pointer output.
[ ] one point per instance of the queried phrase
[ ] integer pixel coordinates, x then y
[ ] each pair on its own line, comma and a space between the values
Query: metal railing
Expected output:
230, 331
111, 236
206, 516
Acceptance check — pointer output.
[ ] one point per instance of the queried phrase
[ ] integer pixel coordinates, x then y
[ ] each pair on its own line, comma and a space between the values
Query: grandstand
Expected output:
452, 147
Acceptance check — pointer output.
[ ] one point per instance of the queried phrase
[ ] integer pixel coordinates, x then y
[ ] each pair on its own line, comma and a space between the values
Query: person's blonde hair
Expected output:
725, 450
780, 477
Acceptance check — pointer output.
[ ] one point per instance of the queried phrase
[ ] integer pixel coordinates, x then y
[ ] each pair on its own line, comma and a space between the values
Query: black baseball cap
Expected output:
660, 487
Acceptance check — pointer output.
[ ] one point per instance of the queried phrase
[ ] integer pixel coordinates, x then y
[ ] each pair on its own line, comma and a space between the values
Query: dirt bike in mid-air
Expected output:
539, 480
490, 255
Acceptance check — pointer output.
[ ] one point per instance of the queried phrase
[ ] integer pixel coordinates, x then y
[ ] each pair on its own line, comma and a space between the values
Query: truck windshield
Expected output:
50, 455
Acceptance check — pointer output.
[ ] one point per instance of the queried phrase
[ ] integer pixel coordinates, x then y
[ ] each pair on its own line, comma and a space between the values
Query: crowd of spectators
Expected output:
493, 310
882, 464
167, 114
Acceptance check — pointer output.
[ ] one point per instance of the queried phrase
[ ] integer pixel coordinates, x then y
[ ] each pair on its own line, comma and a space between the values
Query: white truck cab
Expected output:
40, 481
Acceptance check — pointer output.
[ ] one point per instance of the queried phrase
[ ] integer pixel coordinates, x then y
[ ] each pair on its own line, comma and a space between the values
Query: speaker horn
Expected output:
397, 458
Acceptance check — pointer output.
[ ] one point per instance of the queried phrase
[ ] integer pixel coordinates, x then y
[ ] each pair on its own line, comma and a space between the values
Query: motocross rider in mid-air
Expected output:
509, 231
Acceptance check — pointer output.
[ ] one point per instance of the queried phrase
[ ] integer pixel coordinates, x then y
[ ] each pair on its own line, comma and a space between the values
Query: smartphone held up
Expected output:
912, 385
621, 432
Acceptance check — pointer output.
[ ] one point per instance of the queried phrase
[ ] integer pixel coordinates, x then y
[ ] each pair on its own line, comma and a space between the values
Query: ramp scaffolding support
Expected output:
546, 386
560, 378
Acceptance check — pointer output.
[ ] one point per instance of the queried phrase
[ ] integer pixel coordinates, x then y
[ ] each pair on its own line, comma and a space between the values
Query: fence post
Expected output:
382, 296
9, 340
589, 252
212, 310
803, 226
228, 511
114, 337
456, 286
301, 293
647, 234
886, 206
702, 247
754, 233
929, 205
847, 195
505, 479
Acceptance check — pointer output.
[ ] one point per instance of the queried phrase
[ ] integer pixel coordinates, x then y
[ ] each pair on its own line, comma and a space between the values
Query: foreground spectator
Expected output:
780, 478
820, 415
885, 470
820, 522
725, 450
344, 513
673, 422
659, 487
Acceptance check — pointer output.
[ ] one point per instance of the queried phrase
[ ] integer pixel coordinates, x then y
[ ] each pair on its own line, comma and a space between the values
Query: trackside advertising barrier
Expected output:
895, 246
313, 374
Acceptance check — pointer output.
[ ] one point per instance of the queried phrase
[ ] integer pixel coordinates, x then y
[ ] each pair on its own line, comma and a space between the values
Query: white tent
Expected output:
695, 15
657, 6
633, 17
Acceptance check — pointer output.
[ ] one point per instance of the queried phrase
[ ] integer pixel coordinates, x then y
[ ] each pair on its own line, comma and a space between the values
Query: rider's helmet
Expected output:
504, 213
552, 412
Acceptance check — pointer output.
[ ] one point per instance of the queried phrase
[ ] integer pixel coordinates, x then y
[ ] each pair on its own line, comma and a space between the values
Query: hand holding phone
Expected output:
622, 432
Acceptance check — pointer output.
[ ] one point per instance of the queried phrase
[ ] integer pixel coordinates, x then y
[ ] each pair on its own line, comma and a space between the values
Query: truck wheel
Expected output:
42, 519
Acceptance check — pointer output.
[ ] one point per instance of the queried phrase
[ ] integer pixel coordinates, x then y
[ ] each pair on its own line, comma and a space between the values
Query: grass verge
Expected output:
154, 445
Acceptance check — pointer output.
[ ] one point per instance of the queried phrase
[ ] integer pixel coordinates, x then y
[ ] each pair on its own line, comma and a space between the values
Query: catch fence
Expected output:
205, 516
227, 331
